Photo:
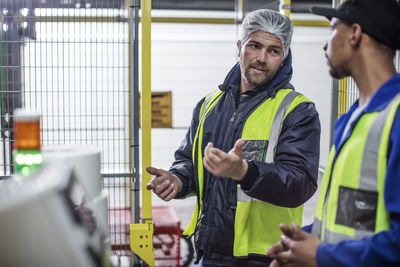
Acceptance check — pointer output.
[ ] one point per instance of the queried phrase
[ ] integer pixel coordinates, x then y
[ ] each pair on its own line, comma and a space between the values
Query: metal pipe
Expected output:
134, 111
134, 94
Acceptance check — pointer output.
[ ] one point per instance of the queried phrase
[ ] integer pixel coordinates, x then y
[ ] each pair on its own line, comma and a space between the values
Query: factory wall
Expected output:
191, 60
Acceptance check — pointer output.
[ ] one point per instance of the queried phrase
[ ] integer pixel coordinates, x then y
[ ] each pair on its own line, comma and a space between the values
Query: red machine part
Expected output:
166, 238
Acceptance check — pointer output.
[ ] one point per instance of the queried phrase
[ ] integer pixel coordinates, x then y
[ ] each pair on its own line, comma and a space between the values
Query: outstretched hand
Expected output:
230, 164
296, 248
165, 184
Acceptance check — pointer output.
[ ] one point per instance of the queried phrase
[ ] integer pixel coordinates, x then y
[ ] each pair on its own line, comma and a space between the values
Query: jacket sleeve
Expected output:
383, 248
183, 164
292, 178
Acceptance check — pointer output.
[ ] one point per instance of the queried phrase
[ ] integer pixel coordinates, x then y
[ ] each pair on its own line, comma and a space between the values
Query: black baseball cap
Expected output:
380, 19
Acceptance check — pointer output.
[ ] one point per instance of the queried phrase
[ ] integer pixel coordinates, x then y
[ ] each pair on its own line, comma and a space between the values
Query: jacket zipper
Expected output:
233, 117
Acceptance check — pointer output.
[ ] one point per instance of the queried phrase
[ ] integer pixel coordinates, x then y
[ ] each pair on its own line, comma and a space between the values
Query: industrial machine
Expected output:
85, 161
48, 219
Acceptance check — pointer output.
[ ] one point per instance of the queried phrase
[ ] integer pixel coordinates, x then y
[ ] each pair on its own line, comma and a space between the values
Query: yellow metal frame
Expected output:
141, 234
286, 11
343, 92
146, 106
142, 241
193, 20
310, 23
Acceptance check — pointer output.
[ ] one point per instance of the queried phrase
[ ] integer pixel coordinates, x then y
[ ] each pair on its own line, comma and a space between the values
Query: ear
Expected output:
356, 31
239, 45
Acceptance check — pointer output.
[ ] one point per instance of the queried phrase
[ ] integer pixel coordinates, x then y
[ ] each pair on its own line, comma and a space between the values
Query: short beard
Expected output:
339, 73
258, 80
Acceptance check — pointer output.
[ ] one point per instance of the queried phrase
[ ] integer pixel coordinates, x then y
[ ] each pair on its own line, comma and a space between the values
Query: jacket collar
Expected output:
384, 94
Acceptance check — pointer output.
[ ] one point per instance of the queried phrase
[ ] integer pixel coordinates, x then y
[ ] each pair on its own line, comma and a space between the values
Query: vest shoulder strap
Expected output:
208, 101
285, 106
277, 124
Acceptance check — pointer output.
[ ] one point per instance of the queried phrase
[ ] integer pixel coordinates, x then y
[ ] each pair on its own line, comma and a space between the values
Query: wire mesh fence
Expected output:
70, 63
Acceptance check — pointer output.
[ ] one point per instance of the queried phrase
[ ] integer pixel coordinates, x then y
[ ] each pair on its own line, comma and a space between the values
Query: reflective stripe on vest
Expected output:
363, 194
209, 102
257, 222
273, 138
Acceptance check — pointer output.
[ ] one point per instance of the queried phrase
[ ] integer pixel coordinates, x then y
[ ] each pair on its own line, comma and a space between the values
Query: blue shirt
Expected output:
383, 248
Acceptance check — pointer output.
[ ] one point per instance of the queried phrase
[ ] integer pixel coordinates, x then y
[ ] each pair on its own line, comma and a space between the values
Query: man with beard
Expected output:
357, 219
251, 153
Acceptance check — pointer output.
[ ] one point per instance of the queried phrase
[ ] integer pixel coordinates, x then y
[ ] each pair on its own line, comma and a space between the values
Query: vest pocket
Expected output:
255, 150
357, 208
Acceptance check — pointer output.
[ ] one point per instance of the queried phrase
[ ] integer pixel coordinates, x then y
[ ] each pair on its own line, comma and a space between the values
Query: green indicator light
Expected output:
25, 171
19, 159
28, 159
37, 159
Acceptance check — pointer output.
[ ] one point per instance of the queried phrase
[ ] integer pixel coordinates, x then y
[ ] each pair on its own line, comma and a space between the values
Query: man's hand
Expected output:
165, 184
298, 250
230, 164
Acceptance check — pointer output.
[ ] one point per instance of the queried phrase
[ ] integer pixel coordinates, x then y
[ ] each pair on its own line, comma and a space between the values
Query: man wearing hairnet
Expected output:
251, 153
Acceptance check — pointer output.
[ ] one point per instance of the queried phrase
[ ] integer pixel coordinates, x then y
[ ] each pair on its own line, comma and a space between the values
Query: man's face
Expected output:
261, 56
336, 49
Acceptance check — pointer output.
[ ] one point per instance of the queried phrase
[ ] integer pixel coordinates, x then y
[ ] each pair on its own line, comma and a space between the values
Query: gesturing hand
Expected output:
230, 164
165, 184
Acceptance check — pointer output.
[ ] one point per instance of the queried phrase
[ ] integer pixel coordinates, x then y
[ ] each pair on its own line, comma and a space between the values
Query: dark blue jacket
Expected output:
288, 182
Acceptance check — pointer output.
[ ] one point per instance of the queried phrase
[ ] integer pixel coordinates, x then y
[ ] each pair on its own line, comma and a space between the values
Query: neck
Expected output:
245, 86
370, 71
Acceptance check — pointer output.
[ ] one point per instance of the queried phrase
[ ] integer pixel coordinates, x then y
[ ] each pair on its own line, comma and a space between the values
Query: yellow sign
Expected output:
161, 109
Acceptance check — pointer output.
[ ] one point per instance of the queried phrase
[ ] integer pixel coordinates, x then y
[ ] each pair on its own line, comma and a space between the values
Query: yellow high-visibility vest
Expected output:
256, 222
351, 201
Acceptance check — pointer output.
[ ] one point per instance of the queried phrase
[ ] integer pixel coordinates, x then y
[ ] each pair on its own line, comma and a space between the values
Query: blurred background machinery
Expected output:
50, 219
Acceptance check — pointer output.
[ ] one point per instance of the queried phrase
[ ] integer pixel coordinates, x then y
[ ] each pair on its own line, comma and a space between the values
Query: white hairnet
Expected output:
268, 21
